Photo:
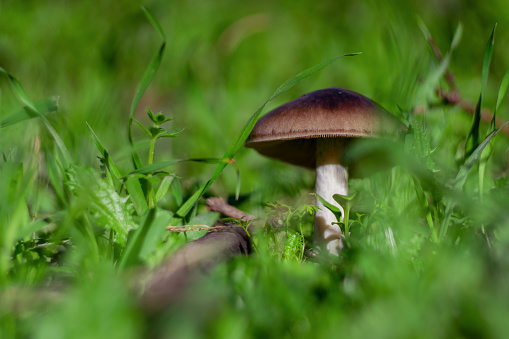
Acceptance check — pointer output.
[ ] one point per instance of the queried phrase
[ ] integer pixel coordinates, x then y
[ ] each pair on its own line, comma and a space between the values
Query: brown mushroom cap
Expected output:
289, 132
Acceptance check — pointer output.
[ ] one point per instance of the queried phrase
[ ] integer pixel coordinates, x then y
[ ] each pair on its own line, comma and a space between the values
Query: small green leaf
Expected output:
344, 199
161, 119
143, 128
176, 190
135, 191
172, 133
151, 116
347, 201
156, 131
333, 208
164, 187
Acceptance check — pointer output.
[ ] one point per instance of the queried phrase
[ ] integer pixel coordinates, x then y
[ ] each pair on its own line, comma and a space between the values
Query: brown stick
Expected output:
220, 205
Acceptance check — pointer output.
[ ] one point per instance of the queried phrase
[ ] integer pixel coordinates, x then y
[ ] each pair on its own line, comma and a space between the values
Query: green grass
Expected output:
90, 180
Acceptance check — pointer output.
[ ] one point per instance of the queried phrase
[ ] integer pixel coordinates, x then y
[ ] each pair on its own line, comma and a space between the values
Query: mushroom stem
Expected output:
331, 178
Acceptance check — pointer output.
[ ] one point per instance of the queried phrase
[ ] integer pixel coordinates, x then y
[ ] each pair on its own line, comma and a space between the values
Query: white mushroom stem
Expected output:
331, 178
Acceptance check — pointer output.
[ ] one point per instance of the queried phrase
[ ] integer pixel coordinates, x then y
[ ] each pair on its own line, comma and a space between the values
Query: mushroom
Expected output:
313, 131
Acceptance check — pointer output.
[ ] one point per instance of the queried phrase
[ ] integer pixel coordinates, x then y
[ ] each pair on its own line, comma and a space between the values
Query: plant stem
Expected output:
150, 193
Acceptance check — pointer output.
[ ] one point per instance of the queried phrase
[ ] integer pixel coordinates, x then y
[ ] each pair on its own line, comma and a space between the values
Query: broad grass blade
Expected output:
156, 233
131, 253
164, 187
135, 191
176, 190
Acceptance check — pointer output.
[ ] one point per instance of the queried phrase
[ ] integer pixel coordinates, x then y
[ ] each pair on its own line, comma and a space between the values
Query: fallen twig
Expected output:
220, 205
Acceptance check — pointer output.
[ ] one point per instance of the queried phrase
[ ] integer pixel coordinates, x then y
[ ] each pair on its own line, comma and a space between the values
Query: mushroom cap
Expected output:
289, 132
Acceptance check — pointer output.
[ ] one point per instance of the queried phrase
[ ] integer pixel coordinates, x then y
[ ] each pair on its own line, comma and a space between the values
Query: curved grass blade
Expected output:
242, 136
501, 94
146, 79
155, 167
23, 97
473, 136
502, 90
106, 156
46, 106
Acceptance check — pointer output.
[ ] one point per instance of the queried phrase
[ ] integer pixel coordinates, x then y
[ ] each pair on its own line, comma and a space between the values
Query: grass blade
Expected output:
106, 156
501, 93
146, 79
45, 107
158, 166
164, 187
23, 97
135, 243
473, 136
489, 149
135, 190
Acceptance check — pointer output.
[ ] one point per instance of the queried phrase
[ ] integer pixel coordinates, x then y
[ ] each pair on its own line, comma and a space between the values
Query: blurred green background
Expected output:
223, 60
